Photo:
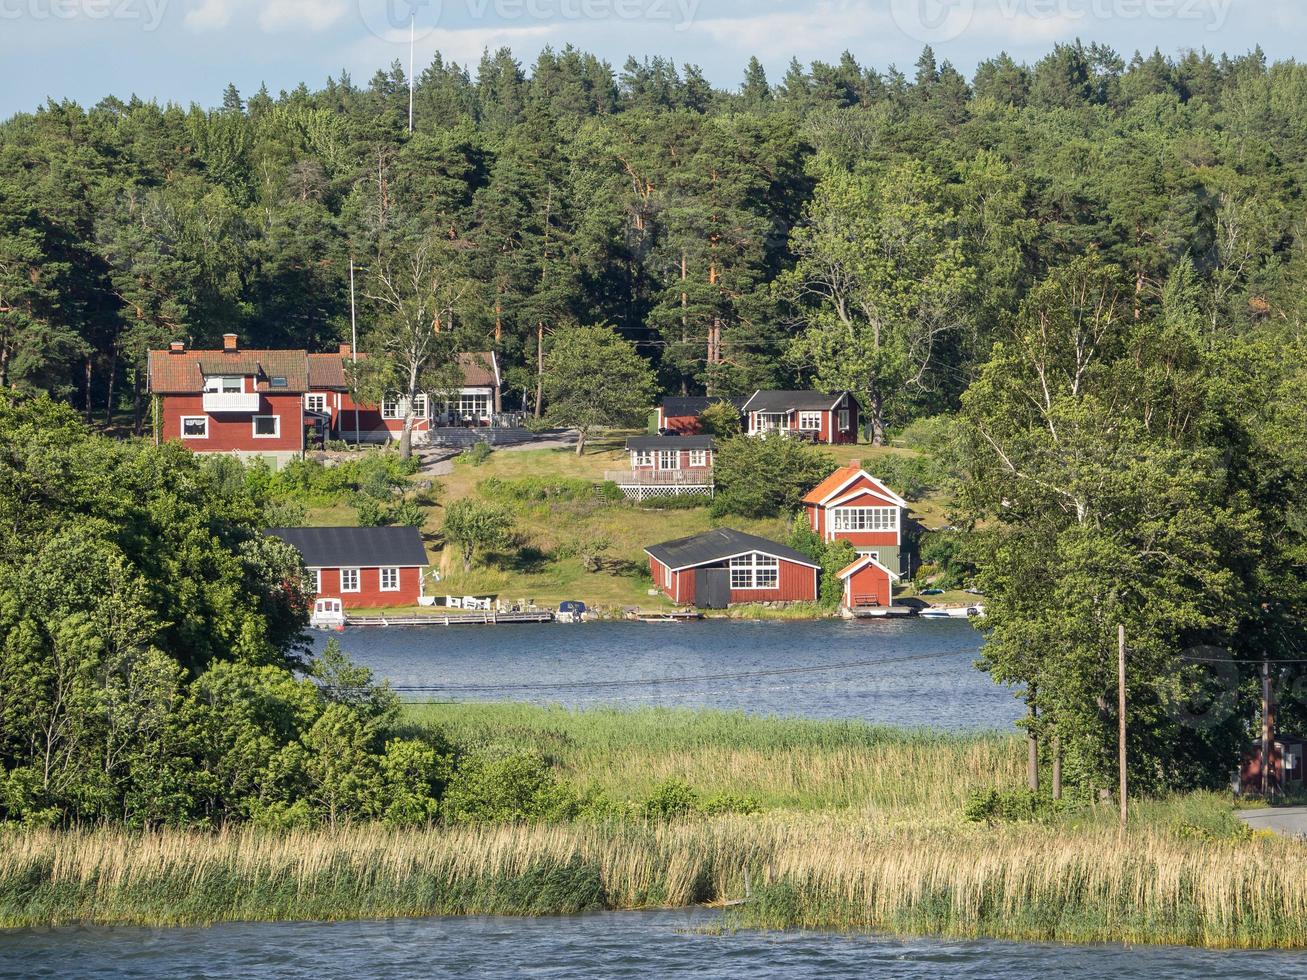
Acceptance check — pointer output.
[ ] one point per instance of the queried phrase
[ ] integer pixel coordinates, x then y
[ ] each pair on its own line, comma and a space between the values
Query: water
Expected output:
902, 672
608, 945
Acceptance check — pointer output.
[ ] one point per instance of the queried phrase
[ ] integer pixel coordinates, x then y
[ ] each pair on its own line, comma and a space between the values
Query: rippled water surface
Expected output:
654, 945
906, 672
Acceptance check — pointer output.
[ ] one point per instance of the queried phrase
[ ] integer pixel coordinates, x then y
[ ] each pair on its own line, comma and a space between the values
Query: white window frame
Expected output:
871, 553
356, 575
315, 402
474, 405
698, 458
643, 459
771, 422
276, 425
852, 520
844, 420
669, 459
383, 573
224, 384
748, 571
810, 421
317, 581
194, 418
420, 407
391, 407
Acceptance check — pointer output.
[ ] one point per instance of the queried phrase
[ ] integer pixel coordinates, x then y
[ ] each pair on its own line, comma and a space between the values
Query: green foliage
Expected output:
766, 477
476, 454
594, 378
720, 419
474, 526
683, 501
943, 560
495, 786
535, 489
993, 806
669, 799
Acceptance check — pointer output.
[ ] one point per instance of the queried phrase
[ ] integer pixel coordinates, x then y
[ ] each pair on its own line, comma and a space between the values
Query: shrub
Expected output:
406, 514
535, 489
670, 798
690, 501
766, 477
1014, 806
284, 513
721, 419
476, 454
492, 786
370, 512
724, 803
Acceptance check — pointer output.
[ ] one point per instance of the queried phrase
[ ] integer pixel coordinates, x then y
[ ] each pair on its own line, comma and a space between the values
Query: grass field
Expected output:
544, 567
861, 829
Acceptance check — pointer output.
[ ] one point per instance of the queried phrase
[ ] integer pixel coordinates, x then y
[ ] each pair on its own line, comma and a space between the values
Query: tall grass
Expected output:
789, 870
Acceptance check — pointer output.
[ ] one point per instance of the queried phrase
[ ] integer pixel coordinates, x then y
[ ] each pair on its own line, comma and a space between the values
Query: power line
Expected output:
690, 679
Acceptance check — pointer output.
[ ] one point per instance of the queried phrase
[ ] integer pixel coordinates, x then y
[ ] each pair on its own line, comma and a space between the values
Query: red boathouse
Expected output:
725, 567
361, 567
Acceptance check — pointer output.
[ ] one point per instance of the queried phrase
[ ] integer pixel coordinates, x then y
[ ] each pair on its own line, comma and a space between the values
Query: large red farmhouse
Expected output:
360, 567
725, 567
852, 505
245, 402
475, 404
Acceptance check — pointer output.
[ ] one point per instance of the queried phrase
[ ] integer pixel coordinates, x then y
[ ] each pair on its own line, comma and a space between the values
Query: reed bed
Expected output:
1030, 883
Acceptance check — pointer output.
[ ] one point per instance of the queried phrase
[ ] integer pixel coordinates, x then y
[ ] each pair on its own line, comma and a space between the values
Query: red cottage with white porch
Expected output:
725, 567
244, 402
852, 505
360, 567
826, 418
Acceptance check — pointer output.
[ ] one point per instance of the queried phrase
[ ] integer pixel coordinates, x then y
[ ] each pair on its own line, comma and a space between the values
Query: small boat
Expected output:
961, 612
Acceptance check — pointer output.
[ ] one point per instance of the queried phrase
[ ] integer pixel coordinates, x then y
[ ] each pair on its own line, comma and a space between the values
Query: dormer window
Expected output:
277, 382
226, 385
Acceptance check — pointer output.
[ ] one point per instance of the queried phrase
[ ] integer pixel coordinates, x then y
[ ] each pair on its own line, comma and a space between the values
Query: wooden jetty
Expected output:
463, 618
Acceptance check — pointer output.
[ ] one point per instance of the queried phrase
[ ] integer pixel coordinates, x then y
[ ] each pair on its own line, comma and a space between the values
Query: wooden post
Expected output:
1268, 732
1121, 714
1032, 751
1057, 769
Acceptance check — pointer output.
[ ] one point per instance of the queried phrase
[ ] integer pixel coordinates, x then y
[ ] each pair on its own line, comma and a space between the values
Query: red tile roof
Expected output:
832, 483
183, 372
328, 370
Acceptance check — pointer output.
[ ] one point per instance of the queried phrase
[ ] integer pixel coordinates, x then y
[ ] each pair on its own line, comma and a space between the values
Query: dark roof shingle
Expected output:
792, 401
648, 443
718, 545
355, 547
183, 373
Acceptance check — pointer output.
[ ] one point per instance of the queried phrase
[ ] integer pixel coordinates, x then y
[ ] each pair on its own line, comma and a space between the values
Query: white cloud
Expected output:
211, 15
313, 15
822, 31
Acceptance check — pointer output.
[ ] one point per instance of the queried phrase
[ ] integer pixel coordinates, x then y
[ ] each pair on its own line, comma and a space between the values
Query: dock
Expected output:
489, 618
880, 612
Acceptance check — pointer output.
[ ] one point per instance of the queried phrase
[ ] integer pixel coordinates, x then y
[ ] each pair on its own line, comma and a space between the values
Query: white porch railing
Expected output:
239, 401
660, 478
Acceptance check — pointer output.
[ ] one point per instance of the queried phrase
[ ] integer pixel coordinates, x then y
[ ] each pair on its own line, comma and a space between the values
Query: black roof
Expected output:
687, 405
792, 401
723, 543
647, 443
355, 547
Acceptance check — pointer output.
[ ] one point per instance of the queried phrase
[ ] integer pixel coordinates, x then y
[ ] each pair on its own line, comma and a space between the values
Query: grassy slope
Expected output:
536, 574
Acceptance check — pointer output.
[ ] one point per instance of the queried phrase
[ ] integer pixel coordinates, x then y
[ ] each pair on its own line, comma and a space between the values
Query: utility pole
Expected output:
1268, 730
1032, 747
1121, 714
1057, 768
353, 343
412, 34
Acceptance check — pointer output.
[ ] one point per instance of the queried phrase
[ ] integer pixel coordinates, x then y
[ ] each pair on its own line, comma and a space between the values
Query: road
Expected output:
1288, 820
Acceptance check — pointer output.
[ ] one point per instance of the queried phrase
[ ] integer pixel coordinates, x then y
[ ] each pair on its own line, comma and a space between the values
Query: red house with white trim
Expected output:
867, 584
725, 567
852, 505
360, 567
831, 419
245, 402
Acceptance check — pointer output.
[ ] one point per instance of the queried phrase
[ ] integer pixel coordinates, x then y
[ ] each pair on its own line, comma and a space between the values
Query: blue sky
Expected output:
187, 50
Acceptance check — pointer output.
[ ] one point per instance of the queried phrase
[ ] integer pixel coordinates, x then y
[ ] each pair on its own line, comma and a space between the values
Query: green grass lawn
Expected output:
543, 567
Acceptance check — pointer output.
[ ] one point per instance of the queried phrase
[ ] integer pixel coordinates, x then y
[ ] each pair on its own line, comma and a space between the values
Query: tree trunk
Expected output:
1057, 769
540, 369
138, 414
89, 369
580, 443
109, 383
876, 418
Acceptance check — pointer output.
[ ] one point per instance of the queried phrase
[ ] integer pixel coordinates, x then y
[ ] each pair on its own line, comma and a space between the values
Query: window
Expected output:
755, 571
474, 405
390, 580
225, 385
698, 457
865, 519
195, 427
766, 421
874, 555
315, 403
349, 580
390, 408
277, 381
844, 420
267, 426
669, 459
317, 581
420, 406
644, 457
810, 421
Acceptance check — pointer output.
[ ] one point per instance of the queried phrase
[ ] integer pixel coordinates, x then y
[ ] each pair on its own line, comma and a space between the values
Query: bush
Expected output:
766, 477
535, 489
724, 803
406, 514
476, 454
688, 501
492, 786
671, 798
1014, 806
370, 512
942, 559
284, 513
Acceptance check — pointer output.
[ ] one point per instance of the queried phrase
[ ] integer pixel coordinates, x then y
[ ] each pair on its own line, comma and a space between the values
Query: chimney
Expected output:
229, 342
177, 347
346, 350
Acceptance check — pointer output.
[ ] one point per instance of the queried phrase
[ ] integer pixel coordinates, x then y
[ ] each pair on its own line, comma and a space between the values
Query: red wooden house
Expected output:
475, 404
826, 418
360, 567
245, 402
725, 567
852, 505
681, 416
667, 466
868, 584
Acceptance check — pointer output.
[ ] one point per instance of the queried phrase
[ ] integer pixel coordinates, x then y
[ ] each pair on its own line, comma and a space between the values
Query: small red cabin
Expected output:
362, 567
868, 584
725, 567
826, 418
681, 416
852, 505
1286, 769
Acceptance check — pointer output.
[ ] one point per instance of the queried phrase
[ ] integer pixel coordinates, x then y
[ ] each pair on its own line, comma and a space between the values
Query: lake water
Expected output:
608, 945
903, 672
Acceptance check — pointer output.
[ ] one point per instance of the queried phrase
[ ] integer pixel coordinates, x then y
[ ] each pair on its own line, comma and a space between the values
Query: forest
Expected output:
1078, 284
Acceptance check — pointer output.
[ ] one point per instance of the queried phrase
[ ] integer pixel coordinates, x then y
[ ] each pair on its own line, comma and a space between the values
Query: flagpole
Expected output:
412, 31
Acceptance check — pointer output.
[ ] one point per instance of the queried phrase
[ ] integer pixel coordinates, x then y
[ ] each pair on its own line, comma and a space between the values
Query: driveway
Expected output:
1288, 820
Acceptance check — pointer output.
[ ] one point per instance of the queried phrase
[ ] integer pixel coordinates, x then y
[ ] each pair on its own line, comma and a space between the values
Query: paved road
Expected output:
1288, 820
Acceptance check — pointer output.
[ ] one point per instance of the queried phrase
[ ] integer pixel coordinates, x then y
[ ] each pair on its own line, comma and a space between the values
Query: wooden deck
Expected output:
454, 619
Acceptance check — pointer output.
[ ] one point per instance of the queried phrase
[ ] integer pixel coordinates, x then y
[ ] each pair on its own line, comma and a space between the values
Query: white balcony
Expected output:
239, 402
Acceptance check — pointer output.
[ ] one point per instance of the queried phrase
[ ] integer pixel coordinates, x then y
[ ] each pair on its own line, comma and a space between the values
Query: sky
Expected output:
188, 50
